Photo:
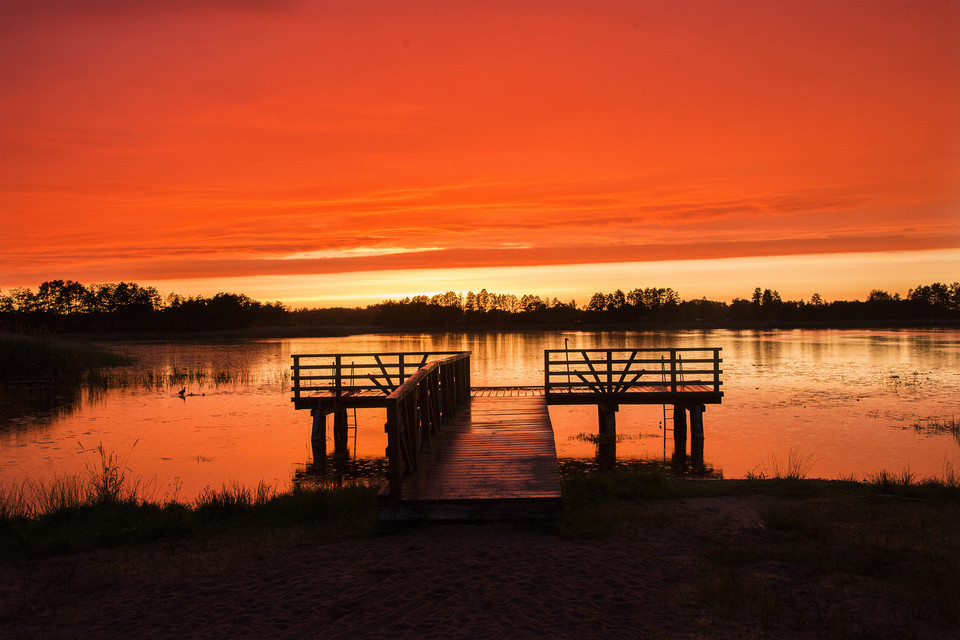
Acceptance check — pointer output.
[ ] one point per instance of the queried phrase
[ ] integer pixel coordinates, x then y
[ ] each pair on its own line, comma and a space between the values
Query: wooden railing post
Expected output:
411, 429
467, 382
716, 370
546, 371
338, 375
609, 371
296, 377
673, 370
394, 463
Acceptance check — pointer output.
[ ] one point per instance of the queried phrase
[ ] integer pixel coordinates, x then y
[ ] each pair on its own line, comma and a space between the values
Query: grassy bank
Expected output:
106, 507
784, 557
823, 557
25, 358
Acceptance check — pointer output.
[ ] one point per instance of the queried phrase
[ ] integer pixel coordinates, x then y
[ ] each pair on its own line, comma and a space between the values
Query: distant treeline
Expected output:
68, 306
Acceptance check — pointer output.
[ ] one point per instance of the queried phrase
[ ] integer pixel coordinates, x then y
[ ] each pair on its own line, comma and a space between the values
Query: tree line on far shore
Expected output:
69, 306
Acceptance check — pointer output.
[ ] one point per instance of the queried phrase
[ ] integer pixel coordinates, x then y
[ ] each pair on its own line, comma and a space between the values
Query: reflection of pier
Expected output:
460, 452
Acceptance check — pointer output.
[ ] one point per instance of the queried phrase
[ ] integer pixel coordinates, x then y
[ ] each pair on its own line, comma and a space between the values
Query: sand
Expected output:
426, 581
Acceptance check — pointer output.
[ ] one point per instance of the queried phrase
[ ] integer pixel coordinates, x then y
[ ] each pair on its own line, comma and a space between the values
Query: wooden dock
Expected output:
459, 452
495, 459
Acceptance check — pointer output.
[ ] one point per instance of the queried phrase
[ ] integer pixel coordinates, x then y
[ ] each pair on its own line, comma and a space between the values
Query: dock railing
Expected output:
615, 372
417, 408
353, 374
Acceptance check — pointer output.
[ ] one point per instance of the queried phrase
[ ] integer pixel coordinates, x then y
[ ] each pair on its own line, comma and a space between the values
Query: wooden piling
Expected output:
340, 433
607, 434
696, 435
607, 418
318, 439
679, 433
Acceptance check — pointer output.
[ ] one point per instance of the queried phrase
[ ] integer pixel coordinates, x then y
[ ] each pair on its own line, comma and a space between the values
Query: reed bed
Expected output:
939, 426
108, 505
176, 378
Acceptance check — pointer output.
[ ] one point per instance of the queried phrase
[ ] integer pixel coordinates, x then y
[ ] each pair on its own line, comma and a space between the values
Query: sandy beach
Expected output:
448, 581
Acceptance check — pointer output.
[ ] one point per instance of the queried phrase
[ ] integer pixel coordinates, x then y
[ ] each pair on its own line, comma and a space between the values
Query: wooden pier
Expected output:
496, 459
458, 452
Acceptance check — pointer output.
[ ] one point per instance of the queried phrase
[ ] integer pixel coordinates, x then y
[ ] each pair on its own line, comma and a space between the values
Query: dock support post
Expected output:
340, 434
318, 439
696, 436
607, 433
679, 433
607, 416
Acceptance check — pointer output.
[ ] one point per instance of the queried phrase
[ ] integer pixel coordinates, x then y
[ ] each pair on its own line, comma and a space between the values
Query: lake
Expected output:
840, 403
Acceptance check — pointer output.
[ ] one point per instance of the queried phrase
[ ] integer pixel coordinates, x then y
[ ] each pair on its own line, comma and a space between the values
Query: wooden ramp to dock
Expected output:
496, 458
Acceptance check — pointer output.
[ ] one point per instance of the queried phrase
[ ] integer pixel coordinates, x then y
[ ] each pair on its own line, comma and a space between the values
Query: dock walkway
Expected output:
495, 459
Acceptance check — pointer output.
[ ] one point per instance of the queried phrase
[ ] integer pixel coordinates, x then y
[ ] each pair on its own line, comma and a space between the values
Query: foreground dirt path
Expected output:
448, 581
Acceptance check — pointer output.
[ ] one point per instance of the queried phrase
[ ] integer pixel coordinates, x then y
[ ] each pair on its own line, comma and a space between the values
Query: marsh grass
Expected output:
109, 506
597, 438
796, 467
175, 378
935, 426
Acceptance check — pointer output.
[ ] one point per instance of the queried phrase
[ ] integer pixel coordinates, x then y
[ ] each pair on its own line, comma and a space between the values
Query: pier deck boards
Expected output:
495, 459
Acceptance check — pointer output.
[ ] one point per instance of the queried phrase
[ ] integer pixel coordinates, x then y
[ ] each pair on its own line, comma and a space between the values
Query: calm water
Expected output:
847, 403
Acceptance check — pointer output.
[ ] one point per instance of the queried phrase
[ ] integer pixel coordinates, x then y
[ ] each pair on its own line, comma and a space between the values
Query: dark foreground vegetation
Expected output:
781, 557
108, 506
70, 307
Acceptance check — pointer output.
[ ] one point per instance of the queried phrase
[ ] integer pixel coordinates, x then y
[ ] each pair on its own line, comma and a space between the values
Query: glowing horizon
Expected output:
367, 148
799, 277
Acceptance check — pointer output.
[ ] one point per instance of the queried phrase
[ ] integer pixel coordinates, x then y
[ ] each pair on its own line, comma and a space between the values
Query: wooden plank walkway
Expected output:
505, 392
495, 459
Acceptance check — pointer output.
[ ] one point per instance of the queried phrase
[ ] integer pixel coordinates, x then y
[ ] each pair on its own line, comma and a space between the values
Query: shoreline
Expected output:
775, 564
282, 332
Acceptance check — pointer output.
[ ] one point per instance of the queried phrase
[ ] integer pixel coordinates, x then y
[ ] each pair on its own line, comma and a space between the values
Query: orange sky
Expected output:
343, 152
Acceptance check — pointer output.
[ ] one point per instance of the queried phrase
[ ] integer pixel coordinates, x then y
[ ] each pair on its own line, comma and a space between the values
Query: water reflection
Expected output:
36, 406
339, 470
572, 466
856, 401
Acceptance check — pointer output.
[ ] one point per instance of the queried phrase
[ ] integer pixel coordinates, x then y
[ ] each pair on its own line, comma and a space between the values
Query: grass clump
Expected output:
907, 485
62, 526
108, 507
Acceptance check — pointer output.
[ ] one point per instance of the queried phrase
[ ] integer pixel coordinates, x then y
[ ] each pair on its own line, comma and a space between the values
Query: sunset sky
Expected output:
343, 152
